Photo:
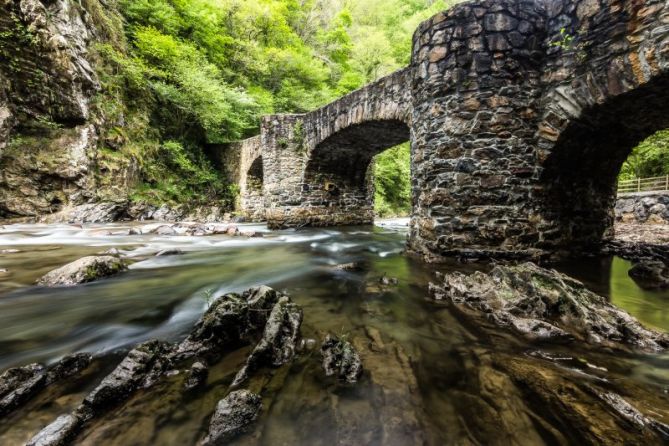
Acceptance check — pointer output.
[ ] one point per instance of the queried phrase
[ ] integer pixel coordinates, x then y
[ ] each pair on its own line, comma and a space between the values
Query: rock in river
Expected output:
650, 274
86, 269
234, 414
341, 359
545, 304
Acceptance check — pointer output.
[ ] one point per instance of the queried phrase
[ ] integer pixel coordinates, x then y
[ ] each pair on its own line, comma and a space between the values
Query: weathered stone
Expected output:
340, 359
84, 270
650, 274
499, 22
197, 376
279, 340
233, 416
544, 304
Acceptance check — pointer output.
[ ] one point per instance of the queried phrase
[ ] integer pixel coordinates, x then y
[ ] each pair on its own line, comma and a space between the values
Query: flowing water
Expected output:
426, 368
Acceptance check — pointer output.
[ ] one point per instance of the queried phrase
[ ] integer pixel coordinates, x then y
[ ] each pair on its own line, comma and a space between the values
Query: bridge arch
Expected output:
317, 164
615, 94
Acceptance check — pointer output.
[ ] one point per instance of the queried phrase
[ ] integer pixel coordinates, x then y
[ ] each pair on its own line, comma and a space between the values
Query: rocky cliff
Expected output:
72, 130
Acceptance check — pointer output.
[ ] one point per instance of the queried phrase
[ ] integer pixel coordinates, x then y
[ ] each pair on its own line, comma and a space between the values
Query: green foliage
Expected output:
195, 72
392, 182
648, 159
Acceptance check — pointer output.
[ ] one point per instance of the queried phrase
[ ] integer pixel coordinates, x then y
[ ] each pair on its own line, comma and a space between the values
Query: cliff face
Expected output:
49, 129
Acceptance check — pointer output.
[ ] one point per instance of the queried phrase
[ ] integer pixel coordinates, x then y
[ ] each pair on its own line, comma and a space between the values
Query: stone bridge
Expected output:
520, 114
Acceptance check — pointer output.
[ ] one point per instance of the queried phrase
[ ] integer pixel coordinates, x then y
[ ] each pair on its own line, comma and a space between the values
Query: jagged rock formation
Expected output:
543, 304
260, 314
19, 385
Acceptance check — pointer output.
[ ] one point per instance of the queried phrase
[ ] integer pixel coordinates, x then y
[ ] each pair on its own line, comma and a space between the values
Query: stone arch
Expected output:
579, 174
606, 92
338, 184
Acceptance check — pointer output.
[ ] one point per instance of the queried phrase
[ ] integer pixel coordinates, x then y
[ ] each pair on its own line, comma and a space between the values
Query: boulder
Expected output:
84, 270
545, 305
233, 415
340, 359
650, 274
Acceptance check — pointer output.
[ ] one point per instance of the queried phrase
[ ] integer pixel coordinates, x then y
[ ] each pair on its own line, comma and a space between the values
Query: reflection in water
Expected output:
426, 367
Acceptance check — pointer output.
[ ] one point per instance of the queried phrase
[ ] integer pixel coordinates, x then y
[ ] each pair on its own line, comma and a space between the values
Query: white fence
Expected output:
654, 184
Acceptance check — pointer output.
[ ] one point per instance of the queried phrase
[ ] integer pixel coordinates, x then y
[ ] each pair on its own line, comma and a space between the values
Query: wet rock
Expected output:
111, 252
19, 384
352, 267
636, 251
68, 366
231, 319
251, 234
86, 269
169, 252
340, 359
279, 340
134, 231
650, 274
594, 415
544, 304
58, 433
164, 230
197, 376
388, 281
136, 370
233, 416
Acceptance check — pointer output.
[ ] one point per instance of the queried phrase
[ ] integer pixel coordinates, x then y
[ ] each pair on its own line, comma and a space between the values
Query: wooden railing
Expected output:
653, 184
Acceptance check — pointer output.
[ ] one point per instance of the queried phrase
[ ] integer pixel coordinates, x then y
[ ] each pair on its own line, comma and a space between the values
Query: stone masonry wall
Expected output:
303, 152
643, 207
475, 105
237, 161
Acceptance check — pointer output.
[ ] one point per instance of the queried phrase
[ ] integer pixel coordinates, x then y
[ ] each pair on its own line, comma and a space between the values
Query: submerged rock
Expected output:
650, 274
545, 304
197, 376
86, 269
234, 414
341, 359
169, 252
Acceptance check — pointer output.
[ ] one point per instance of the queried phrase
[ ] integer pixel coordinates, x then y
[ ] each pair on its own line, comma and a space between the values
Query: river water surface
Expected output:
419, 356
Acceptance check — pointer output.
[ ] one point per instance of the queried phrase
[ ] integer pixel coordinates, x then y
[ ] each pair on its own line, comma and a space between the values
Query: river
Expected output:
420, 368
